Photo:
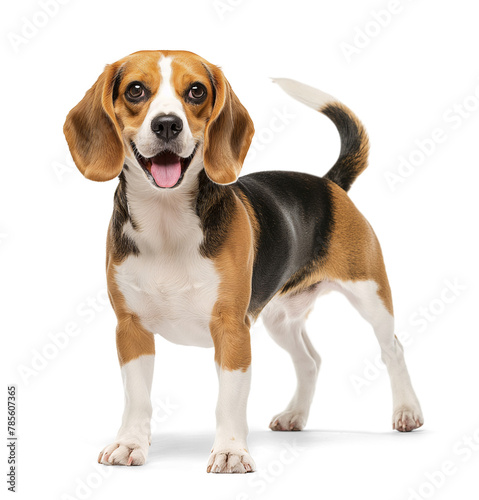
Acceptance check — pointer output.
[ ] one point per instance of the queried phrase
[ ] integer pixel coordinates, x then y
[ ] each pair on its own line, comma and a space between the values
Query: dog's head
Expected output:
160, 111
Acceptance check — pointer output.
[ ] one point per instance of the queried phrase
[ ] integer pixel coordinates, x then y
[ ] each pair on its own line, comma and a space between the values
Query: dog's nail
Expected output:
130, 461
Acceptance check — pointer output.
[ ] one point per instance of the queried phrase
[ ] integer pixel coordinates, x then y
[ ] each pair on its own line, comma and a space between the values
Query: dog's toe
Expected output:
230, 461
126, 453
289, 420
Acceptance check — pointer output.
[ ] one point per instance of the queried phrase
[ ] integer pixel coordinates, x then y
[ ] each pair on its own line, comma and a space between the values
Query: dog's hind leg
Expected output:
363, 295
284, 318
355, 266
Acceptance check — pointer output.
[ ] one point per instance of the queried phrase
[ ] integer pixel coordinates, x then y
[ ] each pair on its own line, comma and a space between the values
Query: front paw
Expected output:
124, 452
230, 460
407, 418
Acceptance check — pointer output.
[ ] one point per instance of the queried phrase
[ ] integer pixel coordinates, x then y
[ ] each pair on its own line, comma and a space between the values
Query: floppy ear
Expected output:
228, 133
93, 133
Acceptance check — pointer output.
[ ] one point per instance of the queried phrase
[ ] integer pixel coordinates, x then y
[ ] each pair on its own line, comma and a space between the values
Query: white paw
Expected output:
407, 418
230, 460
124, 452
289, 420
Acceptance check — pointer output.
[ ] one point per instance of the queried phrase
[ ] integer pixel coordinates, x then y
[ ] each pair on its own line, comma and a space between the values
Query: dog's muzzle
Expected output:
166, 169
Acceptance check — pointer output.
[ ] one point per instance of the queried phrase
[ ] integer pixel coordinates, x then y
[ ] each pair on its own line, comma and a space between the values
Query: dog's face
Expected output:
166, 113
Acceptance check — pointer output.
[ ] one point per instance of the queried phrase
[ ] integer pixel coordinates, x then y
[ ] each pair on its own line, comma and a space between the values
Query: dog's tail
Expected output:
353, 157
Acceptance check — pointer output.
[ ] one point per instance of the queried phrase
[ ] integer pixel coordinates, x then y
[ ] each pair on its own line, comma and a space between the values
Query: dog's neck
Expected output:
175, 219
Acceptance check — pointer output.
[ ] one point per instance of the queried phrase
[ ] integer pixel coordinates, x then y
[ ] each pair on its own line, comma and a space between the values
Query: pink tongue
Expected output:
166, 170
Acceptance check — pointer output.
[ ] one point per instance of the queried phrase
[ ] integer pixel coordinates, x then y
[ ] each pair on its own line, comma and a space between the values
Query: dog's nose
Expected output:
167, 127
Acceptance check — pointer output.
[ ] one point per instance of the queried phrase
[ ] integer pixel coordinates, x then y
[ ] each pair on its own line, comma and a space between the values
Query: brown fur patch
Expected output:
252, 218
93, 133
354, 252
230, 324
256, 230
186, 70
228, 134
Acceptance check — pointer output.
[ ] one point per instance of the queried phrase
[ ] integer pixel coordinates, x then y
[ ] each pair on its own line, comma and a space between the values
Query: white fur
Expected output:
284, 318
306, 94
133, 438
363, 296
230, 451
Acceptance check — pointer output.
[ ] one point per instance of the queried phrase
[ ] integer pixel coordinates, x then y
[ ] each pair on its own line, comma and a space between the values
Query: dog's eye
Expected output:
197, 92
135, 91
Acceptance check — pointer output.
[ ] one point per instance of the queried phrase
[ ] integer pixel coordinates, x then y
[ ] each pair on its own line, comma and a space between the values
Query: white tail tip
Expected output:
306, 94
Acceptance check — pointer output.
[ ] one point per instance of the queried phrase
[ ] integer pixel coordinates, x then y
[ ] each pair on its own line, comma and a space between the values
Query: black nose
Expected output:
167, 126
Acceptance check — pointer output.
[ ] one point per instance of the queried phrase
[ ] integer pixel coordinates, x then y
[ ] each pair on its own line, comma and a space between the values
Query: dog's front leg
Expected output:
136, 352
233, 363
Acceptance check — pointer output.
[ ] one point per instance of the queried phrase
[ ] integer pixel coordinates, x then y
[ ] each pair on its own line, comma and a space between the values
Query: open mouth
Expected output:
165, 169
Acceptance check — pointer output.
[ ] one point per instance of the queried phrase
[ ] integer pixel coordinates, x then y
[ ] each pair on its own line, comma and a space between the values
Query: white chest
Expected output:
169, 285
172, 296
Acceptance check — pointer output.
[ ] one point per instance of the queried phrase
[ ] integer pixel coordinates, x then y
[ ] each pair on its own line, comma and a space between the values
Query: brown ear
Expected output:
93, 133
228, 133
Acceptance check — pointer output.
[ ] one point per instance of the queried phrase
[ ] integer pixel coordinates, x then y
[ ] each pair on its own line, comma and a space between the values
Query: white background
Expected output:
415, 75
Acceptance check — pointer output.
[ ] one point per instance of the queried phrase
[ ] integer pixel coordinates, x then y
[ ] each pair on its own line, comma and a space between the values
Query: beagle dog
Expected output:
196, 254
